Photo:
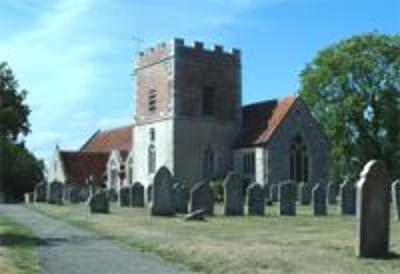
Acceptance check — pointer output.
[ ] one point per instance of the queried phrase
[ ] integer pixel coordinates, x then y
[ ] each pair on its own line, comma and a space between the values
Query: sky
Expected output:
76, 57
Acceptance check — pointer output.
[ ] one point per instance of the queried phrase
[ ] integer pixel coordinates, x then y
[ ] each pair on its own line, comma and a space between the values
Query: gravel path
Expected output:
69, 250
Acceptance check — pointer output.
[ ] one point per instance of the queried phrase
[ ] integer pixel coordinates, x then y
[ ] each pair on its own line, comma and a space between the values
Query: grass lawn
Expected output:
17, 248
270, 244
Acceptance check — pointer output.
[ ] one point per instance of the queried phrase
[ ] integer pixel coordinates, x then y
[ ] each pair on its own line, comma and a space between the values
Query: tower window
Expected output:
208, 100
298, 160
152, 100
152, 134
151, 159
249, 163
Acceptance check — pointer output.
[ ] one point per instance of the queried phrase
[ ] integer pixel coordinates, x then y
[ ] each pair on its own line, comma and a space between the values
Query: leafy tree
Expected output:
353, 89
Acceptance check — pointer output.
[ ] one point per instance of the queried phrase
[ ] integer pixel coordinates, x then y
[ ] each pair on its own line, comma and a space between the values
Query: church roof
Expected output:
80, 165
108, 140
260, 120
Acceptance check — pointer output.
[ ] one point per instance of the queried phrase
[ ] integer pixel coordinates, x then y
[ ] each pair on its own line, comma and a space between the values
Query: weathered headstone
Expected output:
319, 200
162, 203
267, 192
287, 199
304, 193
233, 195
125, 197
274, 189
396, 198
28, 197
197, 215
347, 198
332, 193
149, 193
56, 193
40, 192
202, 197
181, 197
373, 211
255, 200
99, 202
137, 195
112, 195
84, 194
73, 194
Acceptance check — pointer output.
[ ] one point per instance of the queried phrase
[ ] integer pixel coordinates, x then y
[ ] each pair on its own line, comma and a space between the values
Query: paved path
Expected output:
69, 250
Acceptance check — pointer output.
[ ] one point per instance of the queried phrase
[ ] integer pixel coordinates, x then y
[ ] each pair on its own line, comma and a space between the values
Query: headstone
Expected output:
74, 194
56, 193
267, 192
332, 193
396, 198
84, 194
373, 211
319, 200
304, 192
197, 215
233, 195
28, 197
181, 197
125, 197
347, 198
137, 195
99, 202
255, 200
287, 199
112, 195
202, 197
274, 192
149, 193
162, 203
40, 192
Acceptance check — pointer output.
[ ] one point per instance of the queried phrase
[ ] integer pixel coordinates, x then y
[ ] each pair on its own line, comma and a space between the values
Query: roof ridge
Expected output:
116, 128
270, 101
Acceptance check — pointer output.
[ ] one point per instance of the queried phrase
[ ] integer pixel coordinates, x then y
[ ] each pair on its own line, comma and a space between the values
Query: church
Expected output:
189, 117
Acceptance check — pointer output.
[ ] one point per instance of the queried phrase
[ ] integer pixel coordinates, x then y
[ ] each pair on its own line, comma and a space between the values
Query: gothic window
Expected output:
208, 100
152, 134
249, 163
113, 175
152, 100
130, 171
299, 160
208, 163
152, 159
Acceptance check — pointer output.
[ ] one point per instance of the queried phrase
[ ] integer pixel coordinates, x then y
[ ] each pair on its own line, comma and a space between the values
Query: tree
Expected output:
353, 89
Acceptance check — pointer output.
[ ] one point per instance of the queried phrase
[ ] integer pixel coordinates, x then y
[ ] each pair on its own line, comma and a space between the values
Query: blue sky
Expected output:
76, 56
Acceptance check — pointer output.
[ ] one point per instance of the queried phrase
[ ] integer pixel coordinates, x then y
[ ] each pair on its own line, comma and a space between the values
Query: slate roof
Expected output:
260, 120
80, 165
108, 140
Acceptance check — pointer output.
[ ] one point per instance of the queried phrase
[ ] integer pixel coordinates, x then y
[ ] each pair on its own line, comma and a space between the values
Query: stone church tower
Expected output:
188, 111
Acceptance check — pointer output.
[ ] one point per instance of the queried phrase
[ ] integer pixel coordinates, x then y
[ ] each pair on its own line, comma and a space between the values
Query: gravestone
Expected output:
40, 192
202, 197
149, 193
347, 198
373, 211
56, 193
99, 203
255, 200
233, 195
181, 197
332, 193
197, 215
162, 203
74, 194
28, 197
267, 192
84, 194
287, 199
125, 197
396, 198
319, 200
137, 195
304, 193
112, 195
274, 189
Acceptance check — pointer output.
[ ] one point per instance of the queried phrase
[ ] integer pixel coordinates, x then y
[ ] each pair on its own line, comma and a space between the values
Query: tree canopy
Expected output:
353, 89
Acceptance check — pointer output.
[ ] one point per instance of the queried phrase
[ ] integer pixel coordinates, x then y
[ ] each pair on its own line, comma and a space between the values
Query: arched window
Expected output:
299, 160
130, 171
151, 159
113, 174
208, 163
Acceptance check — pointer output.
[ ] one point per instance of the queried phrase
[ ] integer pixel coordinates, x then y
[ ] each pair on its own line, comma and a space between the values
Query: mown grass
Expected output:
270, 244
18, 254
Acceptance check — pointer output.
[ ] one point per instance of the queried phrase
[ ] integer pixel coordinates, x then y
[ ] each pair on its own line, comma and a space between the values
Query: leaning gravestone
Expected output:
332, 193
40, 192
99, 202
255, 200
181, 197
304, 193
137, 195
149, 193
396, 198
347, 198
56, 193
124, 197
274, 189
373, 211
162, 203
319, 200
287, 199
202, 197
233, 195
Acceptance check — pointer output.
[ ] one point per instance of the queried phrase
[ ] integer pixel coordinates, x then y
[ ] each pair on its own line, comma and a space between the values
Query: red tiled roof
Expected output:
261, 119
80, 165
108, 140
